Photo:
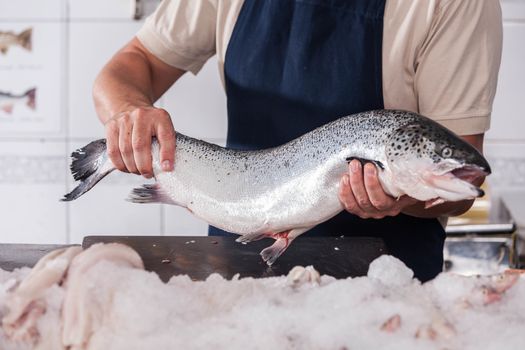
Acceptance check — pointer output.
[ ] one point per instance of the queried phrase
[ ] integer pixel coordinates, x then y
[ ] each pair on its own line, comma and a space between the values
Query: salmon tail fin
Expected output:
150, 193
25, 39
89, 165
31, 98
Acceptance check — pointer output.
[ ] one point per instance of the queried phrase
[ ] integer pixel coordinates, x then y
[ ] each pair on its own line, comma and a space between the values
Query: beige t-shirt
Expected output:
440, 57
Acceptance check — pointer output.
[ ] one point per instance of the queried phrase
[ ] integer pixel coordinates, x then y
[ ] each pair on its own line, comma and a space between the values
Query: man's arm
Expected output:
124, 93
362, 194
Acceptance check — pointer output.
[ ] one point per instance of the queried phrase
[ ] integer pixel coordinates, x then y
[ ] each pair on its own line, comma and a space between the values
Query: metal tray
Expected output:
198, 257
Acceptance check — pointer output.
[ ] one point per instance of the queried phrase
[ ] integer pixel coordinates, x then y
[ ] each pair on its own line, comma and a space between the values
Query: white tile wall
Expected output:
32, 9
513, 10
197, 104
104, 211
178, 221
509, 109
505, 141
32, 180
101, 9
91, 45
33, 173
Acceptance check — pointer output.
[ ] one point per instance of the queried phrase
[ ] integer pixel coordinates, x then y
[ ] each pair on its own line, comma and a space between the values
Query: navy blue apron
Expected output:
293, 65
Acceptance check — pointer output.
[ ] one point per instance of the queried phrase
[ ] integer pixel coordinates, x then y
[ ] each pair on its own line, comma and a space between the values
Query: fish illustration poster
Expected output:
30, 78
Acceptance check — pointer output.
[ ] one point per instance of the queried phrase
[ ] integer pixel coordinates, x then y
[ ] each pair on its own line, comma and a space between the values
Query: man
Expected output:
290, 66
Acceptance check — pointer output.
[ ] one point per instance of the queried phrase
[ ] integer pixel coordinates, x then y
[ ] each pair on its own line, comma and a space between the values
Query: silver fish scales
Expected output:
284, 191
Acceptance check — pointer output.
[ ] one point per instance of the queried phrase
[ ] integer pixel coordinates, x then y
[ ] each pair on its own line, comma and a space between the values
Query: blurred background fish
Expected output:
8, 39
9, 100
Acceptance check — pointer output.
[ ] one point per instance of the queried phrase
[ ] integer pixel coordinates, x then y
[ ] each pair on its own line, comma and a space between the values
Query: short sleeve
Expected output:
181, 33
458, 63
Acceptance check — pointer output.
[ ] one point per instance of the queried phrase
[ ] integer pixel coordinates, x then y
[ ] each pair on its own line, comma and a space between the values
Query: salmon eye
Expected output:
446, 152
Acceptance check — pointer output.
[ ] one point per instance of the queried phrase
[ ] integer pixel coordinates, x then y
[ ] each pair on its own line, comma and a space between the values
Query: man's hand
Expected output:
362, 194
129, 134
124, 93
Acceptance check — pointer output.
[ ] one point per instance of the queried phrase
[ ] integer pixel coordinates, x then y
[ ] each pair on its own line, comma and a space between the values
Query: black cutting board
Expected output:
198, 257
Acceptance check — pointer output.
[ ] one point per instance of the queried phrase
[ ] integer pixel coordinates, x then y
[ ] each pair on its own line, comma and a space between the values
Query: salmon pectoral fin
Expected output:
150, 193
363, 161
274, 251
282, 242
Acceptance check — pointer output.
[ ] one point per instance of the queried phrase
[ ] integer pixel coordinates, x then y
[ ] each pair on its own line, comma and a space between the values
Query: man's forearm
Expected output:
121, 85
133, 78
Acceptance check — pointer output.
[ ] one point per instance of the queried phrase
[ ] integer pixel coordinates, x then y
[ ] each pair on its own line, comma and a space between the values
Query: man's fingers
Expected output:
166, 137
126, 148
358, 188
141, 144
112, 142
362, 194
346, 196
379, 199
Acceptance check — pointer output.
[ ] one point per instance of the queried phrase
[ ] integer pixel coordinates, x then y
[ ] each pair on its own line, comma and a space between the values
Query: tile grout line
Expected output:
65, 108
161, 103
162, 223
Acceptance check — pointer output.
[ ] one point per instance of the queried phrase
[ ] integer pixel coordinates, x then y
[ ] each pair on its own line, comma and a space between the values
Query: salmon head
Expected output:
428, 161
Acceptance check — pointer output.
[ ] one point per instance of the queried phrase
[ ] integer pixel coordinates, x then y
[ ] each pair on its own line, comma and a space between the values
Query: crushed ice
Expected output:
387, 309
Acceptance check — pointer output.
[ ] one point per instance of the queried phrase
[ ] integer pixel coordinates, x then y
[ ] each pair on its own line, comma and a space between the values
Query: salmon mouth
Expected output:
471, 173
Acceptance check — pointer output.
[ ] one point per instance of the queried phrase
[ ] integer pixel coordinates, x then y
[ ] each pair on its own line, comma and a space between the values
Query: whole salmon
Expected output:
284, 191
